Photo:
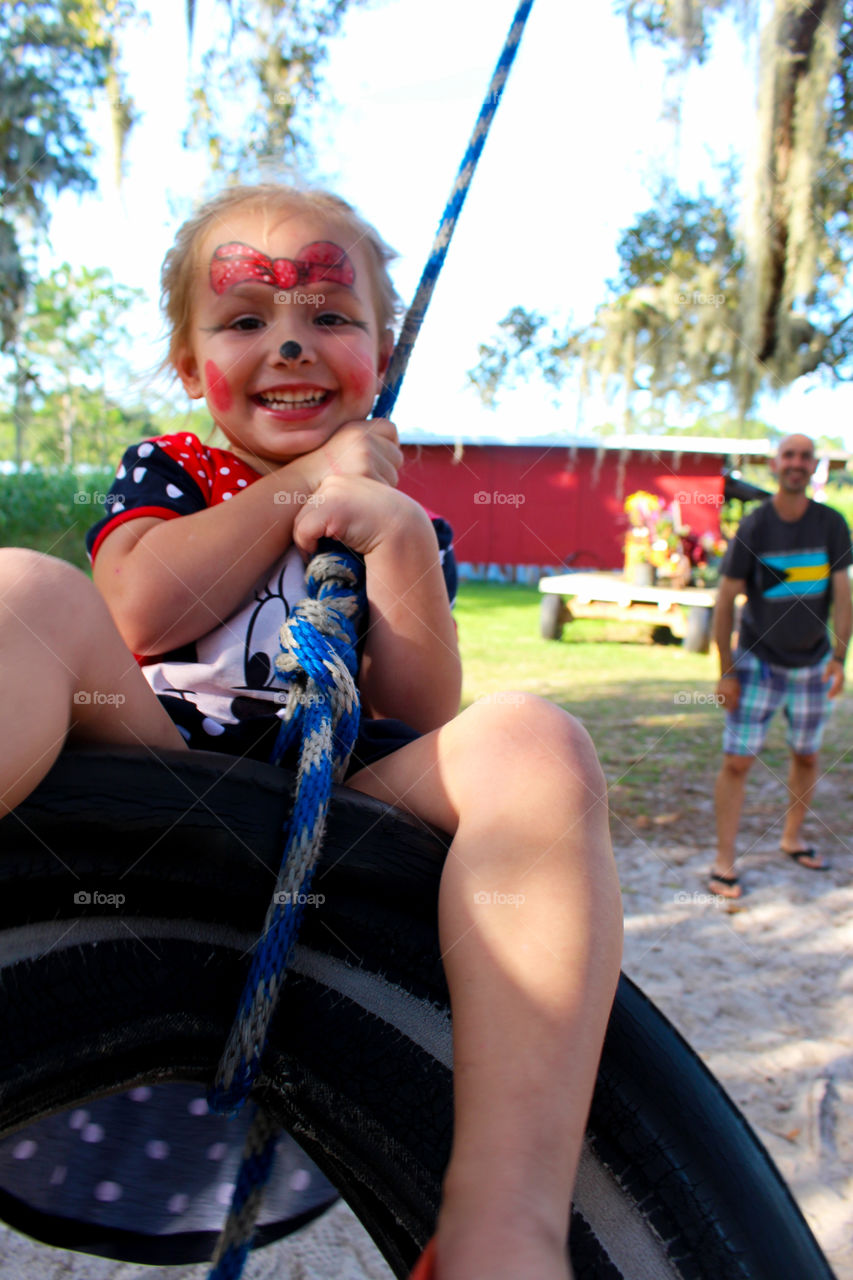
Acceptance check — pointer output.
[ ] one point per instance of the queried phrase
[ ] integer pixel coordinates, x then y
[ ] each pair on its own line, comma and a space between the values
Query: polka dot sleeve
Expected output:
167, 477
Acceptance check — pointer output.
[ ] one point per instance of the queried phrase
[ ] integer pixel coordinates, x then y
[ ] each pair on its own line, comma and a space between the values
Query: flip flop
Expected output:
799, 854
425, 1265
730, 882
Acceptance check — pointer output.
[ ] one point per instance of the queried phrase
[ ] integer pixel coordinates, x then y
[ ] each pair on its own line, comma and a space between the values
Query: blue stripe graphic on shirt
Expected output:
803, 573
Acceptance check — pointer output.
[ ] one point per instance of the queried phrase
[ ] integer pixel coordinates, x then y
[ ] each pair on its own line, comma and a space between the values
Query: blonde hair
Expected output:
181, 262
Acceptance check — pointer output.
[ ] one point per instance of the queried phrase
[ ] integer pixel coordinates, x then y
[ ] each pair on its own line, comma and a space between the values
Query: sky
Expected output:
565, 169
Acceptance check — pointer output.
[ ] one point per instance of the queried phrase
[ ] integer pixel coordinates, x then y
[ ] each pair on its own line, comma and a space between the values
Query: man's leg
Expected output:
802, 777
729, 793
807, 710
743, 737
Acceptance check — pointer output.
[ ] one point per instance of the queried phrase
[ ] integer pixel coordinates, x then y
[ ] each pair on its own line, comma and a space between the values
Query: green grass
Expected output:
649, 708
51, 511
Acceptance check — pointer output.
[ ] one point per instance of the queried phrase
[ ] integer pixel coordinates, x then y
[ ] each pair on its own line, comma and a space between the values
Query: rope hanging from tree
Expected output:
322, 713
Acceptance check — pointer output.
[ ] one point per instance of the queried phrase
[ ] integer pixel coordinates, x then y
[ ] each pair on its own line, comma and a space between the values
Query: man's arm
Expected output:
841, 625
728, 687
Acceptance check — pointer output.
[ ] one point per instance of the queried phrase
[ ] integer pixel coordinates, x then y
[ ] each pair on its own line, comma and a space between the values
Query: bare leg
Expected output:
65, 673
530, 925
802, 777
728, 801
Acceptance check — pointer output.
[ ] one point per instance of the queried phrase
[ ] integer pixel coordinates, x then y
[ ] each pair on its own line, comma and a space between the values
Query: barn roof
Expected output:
717, 446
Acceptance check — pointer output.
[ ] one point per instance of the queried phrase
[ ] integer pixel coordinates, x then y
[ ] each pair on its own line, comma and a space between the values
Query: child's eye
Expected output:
333, 319
245, 324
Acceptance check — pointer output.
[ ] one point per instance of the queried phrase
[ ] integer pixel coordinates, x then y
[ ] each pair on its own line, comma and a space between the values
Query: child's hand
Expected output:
368, 449
360, 512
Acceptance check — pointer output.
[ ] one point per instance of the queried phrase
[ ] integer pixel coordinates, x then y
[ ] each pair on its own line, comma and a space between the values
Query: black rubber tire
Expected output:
98, 996
552, 615
697, 638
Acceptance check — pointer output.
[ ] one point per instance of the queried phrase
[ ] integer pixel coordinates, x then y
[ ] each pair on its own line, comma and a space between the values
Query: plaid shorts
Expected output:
764, 688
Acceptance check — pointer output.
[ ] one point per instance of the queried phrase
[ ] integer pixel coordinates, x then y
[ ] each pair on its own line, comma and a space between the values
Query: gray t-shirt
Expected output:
788, 566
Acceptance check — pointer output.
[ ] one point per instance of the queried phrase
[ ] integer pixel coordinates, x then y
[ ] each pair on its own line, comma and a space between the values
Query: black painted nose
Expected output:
290, 351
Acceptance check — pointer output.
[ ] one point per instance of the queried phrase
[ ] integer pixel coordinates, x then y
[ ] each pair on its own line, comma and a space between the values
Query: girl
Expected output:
280, 308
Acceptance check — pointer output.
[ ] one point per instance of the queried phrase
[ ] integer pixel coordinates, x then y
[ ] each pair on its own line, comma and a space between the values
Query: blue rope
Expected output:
415, 315
322, 714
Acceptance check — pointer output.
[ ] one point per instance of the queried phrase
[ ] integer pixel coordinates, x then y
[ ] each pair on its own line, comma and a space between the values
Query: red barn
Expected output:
544, 504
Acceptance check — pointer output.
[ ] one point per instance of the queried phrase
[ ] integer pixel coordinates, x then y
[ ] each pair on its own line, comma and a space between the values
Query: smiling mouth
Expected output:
291, 399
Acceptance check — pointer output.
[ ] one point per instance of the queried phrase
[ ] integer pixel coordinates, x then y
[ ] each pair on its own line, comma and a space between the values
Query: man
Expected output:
790, 558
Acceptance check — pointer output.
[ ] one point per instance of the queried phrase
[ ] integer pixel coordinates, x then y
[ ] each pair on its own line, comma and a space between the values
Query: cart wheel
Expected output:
552, 615
697, 637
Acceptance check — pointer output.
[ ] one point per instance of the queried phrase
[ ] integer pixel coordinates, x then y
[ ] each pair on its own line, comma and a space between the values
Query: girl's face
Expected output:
284, 343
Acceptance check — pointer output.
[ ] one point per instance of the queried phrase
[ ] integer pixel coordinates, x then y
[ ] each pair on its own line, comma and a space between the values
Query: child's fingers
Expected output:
310, 526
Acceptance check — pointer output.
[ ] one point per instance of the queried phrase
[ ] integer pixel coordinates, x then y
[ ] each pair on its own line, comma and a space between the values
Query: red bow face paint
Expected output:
236, 262
217, 387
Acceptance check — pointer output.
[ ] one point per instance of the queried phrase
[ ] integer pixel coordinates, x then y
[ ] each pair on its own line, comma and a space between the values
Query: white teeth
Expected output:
290, 398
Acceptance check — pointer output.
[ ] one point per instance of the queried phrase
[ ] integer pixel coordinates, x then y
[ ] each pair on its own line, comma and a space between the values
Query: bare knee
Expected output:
737, 766
534, 742
25, 573
46, 596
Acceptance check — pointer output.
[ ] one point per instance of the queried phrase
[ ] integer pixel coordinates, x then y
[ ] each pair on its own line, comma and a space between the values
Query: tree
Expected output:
70, 337
59, 54
268, 60
55, 55
697, 306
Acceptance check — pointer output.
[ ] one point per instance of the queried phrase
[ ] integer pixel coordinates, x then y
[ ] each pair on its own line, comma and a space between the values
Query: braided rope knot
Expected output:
321, 716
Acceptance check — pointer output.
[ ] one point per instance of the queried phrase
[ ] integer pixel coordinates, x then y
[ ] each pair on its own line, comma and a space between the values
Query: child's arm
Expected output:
410, 669
168, 582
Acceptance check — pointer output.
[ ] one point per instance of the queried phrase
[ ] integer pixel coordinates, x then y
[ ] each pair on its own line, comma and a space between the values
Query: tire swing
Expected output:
356, 1064
673, 1184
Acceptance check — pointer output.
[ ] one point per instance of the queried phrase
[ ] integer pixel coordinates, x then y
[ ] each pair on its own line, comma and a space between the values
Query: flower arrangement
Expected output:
673, 552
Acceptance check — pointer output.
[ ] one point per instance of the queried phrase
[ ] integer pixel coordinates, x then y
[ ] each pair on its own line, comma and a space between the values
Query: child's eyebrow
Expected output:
321, 262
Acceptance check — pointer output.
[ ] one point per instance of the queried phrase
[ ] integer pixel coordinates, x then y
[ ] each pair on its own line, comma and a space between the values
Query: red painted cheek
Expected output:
217, 387
361, 381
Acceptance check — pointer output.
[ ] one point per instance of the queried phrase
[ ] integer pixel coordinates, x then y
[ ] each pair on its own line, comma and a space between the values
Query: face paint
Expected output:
290, 351
236, 263
217, 387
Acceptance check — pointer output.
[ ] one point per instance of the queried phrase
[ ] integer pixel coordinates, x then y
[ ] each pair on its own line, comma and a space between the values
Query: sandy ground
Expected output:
763, 992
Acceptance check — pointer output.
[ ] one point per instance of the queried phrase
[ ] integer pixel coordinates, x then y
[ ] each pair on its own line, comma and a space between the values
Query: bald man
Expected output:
790, 558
